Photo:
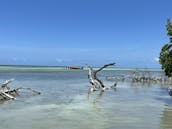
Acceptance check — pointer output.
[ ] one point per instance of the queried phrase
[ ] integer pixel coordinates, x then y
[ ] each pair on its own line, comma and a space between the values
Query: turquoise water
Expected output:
65, 103
61, 68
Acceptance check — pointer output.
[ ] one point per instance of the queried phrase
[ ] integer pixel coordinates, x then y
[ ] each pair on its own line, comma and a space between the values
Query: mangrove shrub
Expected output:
165, 58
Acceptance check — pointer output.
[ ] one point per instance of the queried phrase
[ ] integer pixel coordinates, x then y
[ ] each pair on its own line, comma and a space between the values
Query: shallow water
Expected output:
64, 103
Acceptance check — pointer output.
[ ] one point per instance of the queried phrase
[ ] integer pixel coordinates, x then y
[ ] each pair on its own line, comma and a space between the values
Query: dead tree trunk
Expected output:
94, 80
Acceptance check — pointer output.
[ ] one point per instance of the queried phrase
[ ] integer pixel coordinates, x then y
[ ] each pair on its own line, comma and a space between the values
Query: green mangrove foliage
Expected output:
165, 58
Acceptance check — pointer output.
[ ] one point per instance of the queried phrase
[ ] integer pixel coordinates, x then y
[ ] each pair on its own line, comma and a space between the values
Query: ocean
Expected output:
64, 102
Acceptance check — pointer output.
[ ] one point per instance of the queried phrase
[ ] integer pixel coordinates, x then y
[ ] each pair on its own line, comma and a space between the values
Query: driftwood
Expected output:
141, 77
6, 93
94, 80
29, 89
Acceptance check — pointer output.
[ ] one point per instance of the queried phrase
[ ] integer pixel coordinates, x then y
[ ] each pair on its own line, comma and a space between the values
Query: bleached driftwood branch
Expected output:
94, 80
29, 89
4, 87
7, 93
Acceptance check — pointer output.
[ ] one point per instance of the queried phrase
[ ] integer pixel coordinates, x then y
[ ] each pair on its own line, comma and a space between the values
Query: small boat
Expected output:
74, 67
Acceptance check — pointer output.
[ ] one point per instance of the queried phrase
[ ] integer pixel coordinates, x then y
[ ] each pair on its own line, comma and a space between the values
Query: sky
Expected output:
78, 32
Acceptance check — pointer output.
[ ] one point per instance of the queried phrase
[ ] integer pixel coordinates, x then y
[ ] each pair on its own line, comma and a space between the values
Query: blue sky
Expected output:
78, 32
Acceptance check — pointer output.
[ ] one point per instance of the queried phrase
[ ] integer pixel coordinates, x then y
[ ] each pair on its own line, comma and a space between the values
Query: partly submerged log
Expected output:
28, 89
94, 80
6, 93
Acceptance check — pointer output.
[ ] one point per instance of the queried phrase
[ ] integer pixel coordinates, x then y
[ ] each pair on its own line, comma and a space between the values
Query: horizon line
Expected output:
74, 65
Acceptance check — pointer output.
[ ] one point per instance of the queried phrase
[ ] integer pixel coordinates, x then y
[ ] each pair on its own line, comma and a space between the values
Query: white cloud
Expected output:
156, 59
59, 60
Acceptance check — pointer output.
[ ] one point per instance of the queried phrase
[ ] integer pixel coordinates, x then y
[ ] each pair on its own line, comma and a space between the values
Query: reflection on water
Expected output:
93, 100
166, 121
65, 103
